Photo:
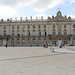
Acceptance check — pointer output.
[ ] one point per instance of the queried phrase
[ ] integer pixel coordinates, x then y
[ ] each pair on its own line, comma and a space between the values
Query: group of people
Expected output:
62, 45
45, 45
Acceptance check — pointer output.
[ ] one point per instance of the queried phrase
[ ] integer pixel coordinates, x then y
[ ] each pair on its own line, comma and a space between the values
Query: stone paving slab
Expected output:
36, 61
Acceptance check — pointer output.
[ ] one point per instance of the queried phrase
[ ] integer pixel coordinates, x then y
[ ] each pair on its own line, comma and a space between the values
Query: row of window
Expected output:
34, 41
59, 32
28, 33
55, 25
39, 26
28, 41
39, 33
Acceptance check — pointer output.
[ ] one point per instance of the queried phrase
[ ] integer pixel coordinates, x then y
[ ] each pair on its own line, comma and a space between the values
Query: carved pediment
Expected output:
59, 17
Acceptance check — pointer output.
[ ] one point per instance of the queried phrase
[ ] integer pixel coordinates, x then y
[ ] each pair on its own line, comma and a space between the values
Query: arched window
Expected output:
44, 40
39, 33
34, 41
39, 41
23, 26
28, 41
54, 42
18, 33
23, 33
18, 41
23, 41
28, 33
33, 32
12, 42
44, 33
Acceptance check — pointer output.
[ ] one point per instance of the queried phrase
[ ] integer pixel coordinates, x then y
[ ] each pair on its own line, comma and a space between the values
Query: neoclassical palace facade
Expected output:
54, 30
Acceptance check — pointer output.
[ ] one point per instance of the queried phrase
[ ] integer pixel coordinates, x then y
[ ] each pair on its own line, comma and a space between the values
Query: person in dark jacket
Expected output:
6, 45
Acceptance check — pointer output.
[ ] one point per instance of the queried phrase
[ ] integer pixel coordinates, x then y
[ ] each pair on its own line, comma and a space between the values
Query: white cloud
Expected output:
43, 5
72, 1
37, 5
8, 7
7, 10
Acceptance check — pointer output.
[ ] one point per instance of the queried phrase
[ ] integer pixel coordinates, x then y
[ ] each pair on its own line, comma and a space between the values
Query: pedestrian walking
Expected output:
6, 45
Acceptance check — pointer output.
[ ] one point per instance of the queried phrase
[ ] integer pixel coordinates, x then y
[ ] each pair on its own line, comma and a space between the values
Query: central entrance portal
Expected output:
4, 42
59, 43
74, 42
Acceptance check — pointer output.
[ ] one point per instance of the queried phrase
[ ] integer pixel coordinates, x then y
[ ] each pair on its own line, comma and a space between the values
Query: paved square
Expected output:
36, 61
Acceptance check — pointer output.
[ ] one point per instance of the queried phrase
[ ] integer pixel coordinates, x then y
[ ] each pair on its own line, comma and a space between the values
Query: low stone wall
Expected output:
70, 47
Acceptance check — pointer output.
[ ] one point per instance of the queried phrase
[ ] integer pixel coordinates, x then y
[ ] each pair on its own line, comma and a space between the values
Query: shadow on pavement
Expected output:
59, 53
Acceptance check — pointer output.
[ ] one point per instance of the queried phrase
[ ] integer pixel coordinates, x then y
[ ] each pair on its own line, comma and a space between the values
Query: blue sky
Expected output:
35, 8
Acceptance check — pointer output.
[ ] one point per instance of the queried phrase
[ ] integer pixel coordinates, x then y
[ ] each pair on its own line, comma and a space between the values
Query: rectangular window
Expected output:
33, 26
54, 33
53, 25
13, 27
59, 33
39, 26
28, 26
74, 32
18, 27
44, 26
4, 27
64, 25
73, 25
65, 33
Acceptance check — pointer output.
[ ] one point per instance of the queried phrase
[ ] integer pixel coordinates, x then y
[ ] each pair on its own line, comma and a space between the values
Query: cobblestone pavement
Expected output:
36, 61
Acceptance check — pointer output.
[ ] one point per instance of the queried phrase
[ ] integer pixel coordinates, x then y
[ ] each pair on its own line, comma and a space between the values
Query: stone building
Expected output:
54, 30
